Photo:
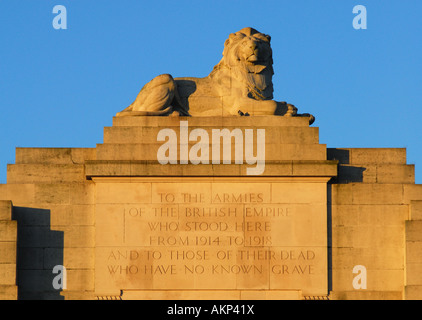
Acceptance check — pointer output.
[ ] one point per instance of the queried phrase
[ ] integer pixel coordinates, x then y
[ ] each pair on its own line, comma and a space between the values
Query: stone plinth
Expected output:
211, 228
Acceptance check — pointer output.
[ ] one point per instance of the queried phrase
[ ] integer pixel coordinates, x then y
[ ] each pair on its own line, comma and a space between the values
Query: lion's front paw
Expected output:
285, 109
291, 110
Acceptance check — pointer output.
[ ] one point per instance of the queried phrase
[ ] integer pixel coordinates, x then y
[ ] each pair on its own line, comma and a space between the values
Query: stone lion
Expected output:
240, 84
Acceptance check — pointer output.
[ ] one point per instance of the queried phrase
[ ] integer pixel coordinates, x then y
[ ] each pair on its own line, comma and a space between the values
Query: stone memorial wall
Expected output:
127, 227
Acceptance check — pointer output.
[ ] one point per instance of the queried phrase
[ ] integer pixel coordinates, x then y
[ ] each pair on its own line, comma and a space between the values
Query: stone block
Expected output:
271, 295
414, 252
371, 258
377, 156
369, 215
20, 193
147, 135
52, 193
149, 152
380, 236
257, 121
368, 236
208, 170
414, 274
8, 292
73, 258
111, 168
54, 155
40, 295
75, 215
278, 168
368, 156
79, 295
78, 236
341, 194
343, 236
415, 210
80, 279
178, 295
366, 295
123, 192
45, 173
82, 193
3, 192
6, 210
413, 230
413, 292
148, 168
412, 192
377, 194
391, 173
80, 155
312, 193
43, 155
8, 252
7, 273
314, 168
209, 295
8, 231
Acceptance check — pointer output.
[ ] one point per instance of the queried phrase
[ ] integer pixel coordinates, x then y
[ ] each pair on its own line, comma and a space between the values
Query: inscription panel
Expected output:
211, 235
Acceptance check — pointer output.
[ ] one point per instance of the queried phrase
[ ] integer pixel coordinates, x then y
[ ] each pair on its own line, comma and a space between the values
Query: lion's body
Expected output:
241, 81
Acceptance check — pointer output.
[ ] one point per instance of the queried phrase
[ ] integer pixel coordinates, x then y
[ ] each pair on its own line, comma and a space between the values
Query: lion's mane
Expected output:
235, 70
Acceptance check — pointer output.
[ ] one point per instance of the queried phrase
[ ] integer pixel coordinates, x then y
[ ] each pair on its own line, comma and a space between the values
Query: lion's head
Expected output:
247, 57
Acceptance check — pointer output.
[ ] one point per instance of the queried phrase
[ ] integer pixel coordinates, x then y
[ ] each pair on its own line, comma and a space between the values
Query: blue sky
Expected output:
59, 88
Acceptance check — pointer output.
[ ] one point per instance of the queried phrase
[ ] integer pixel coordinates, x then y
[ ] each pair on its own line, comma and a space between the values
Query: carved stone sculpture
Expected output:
240, 84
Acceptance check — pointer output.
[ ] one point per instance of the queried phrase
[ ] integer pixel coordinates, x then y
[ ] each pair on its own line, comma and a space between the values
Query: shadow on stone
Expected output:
346, 172
185, 89
350, 174
342, 155
39, 249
